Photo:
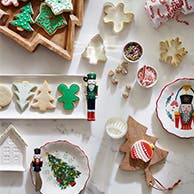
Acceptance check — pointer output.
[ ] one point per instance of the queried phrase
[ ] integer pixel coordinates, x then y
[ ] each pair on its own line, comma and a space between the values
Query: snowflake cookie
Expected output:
59, 6
48, 20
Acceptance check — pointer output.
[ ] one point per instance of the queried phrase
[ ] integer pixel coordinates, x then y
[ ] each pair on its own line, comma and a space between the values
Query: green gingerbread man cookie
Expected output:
68, 95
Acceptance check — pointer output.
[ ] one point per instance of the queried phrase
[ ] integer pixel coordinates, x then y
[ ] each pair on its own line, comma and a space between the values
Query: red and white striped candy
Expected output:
142, 150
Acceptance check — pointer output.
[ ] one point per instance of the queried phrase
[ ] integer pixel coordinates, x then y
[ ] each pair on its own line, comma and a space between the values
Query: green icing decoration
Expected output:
49, 21
68, 95
59, 6
24, 19
64, 173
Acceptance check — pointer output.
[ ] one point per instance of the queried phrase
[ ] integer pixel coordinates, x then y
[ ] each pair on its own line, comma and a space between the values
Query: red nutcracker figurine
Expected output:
91, 93
185, 115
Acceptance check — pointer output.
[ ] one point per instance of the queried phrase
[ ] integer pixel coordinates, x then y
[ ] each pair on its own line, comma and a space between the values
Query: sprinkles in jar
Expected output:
132, 52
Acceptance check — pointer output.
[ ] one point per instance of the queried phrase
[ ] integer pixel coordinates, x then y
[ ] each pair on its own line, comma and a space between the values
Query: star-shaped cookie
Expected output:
48, 21
59, 6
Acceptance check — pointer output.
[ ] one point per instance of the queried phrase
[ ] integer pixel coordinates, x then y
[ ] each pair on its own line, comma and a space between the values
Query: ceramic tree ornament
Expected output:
95, 51
117, 16
141, 153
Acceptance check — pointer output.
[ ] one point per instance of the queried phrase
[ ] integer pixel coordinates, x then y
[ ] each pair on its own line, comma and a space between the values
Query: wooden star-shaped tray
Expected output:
60, 42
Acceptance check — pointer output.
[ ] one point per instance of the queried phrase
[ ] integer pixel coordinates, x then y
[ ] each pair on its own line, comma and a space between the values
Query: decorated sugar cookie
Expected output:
43, 100
5, 96
11, 2
59, 6
142, 150
68, 95
24, 92
23, 20
48, 20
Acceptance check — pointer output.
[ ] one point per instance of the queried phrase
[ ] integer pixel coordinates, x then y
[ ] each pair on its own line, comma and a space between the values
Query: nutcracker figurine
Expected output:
91, 93
37, 164
186, 113
37, 160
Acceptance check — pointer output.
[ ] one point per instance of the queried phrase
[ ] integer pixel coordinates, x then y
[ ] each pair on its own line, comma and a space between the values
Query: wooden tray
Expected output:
61, 42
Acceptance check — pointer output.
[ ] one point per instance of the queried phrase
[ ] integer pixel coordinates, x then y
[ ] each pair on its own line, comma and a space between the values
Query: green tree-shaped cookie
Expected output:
24, 19
68, 95
48, 20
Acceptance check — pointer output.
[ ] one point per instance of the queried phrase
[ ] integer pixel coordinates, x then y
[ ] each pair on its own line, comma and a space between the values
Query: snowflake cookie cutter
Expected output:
95, 51
117, 16
172, 46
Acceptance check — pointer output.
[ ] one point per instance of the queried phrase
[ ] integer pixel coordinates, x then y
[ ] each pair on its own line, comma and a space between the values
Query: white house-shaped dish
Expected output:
12, 151
95, 51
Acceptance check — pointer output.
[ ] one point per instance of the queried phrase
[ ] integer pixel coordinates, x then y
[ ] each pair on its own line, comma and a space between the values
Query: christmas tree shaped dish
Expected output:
33, 23
65, 168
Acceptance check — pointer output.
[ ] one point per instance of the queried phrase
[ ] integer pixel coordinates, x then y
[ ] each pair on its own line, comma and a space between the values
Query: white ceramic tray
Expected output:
73, 156
174, 107
12, 111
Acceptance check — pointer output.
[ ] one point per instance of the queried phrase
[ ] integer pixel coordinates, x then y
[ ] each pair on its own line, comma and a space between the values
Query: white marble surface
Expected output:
102, 151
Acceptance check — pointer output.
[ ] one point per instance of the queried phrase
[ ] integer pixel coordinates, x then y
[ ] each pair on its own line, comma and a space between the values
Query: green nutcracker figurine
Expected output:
91, 93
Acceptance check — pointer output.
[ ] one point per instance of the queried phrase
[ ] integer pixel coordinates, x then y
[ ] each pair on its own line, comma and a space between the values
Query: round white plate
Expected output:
175, 98
73, 156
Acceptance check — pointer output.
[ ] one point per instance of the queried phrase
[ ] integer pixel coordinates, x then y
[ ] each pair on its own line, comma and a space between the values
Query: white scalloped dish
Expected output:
174, 107
116, 128
67, 153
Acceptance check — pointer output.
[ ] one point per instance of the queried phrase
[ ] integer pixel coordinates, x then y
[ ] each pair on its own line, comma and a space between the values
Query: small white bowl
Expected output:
116, 127
132, 52
150, 77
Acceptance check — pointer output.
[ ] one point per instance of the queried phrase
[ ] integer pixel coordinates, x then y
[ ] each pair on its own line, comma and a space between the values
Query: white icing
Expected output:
24, 93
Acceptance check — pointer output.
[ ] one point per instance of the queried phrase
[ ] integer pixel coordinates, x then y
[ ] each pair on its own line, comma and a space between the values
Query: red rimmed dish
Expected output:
174, 107
64, 155
132, 52
147, 76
